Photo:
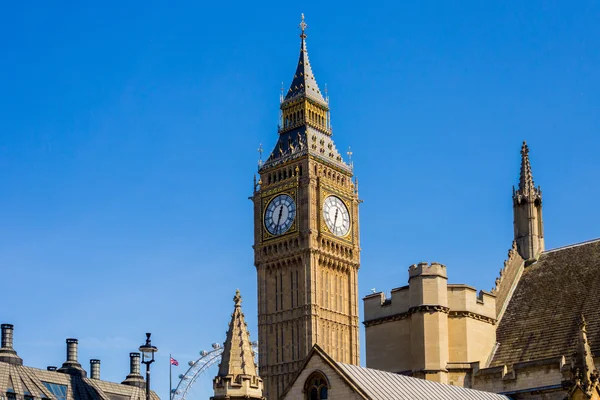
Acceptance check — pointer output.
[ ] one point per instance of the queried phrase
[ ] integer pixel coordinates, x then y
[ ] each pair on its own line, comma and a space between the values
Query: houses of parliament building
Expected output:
534, 336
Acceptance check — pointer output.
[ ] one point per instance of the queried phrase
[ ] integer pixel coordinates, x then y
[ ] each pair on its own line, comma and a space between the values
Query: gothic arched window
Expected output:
316, 387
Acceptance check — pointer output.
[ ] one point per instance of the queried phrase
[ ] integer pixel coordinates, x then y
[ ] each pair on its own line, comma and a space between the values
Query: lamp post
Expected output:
148, 351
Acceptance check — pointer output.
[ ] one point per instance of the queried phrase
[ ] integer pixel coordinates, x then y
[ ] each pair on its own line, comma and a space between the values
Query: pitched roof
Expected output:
54, 385
381, 385
542, 317
237, 357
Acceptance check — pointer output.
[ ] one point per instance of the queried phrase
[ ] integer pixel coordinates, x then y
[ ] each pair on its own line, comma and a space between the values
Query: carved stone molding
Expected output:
472, 315
400, 316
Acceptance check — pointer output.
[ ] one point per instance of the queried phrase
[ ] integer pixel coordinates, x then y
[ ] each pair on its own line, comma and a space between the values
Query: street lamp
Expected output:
148, 351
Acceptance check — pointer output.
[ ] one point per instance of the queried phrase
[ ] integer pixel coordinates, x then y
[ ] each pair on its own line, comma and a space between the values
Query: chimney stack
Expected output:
95, 369
72, 366
72, 350
7, 353
134, 378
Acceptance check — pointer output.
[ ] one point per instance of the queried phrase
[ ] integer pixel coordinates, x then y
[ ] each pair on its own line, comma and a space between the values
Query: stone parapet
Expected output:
465, 299
525, 377
429, 324
425, 269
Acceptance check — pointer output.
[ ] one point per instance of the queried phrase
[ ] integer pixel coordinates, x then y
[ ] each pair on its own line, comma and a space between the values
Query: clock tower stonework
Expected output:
306, 239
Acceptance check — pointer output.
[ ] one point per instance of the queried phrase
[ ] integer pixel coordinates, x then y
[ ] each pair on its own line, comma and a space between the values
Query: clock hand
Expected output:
335, 218
279, 218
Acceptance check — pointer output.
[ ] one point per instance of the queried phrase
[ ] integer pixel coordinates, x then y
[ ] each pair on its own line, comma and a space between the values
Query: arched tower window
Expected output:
316, 387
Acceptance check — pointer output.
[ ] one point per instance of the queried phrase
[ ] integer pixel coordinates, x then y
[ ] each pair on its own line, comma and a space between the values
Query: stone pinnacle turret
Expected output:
527, 209
237, 377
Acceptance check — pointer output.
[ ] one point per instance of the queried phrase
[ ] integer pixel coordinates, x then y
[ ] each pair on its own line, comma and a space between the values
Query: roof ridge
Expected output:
572, 245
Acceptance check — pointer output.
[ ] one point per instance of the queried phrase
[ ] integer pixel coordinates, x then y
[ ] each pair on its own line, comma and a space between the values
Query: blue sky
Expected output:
128, 137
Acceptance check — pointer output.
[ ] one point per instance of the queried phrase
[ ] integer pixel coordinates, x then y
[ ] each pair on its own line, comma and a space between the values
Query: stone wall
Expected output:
429, 324
338, 388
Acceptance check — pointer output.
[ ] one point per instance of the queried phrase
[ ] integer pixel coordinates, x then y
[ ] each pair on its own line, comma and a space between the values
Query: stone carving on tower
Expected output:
527, 210
237, 377
584, 376
306, 238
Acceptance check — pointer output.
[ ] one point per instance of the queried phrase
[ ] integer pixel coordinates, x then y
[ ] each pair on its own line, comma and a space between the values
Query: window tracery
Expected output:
316, 387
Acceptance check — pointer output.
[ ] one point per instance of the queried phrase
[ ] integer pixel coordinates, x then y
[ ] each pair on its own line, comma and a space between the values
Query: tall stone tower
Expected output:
306, 239
527, 210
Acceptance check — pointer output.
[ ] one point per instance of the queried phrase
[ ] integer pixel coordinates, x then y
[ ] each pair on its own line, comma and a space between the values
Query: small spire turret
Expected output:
584, 374
238, 377
526, 185
527, 210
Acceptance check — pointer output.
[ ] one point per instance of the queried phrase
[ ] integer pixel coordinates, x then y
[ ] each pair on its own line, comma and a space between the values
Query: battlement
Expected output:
461, 300
425, 269
465, 298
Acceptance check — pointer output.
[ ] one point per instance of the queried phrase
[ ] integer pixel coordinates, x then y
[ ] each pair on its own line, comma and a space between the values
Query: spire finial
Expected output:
237, 299
303, 27
281, 94
526, 180
260, 153
349, 153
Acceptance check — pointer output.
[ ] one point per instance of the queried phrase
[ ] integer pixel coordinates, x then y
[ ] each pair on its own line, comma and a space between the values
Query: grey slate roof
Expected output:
23, 380
304, 82
541, 320
305, 140
381, 385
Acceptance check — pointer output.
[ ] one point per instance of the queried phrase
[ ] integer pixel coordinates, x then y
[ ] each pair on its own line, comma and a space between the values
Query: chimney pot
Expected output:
134, 378
72, 350
95, 369
134, 363
7, 336
7, 353
72, 366
51, 368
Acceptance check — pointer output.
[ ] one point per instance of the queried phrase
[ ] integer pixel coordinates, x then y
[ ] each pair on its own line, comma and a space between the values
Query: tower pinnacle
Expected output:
304, 82
527, 209
526, 185
237, 377
584, 374
304, 126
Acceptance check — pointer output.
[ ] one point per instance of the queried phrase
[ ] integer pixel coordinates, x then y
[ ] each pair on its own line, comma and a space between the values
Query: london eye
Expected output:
197, 368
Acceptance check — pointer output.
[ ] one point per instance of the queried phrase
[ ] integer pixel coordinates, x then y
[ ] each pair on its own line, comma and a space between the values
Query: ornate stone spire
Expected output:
304, 82
304, 127
584, 375
237, 377
527, 208
526, 185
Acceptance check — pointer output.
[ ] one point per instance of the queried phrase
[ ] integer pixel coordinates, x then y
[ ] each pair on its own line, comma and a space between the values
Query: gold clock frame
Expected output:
323, 225
266, 199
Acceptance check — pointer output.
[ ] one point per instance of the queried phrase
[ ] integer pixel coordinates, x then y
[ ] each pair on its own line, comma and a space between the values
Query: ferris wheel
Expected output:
198, 367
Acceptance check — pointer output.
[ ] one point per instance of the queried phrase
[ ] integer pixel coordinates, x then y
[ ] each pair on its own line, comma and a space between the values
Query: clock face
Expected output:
280, 214
336, 216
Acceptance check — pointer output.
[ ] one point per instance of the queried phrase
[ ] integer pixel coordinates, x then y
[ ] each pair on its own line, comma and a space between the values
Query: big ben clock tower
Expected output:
306, 239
